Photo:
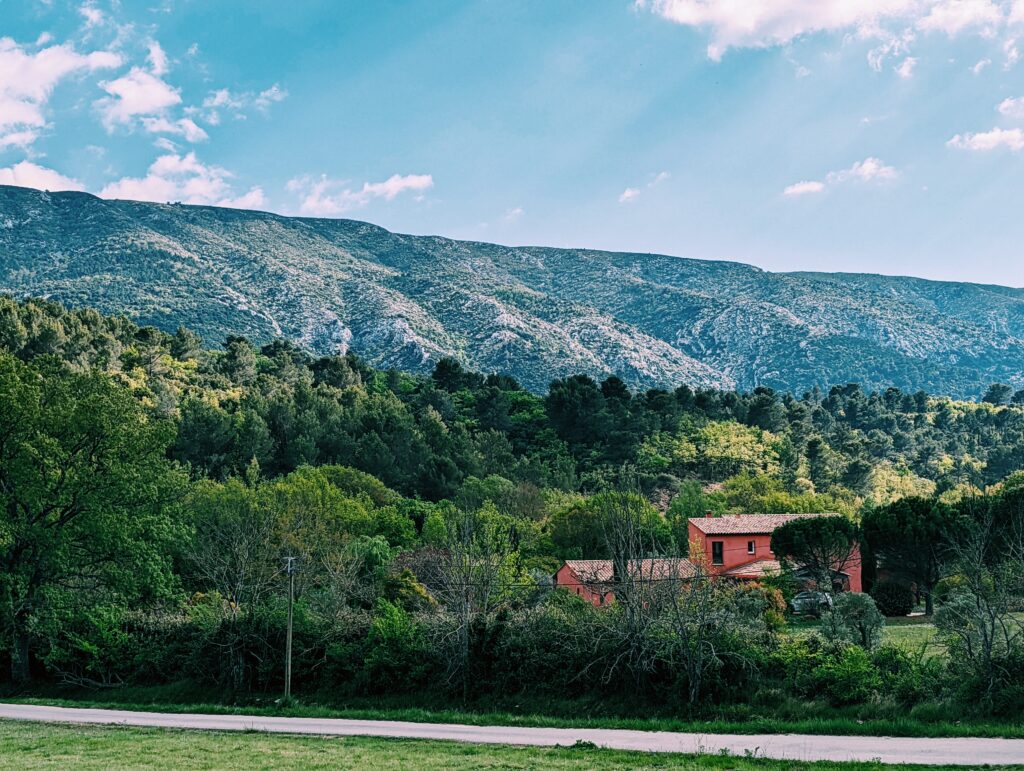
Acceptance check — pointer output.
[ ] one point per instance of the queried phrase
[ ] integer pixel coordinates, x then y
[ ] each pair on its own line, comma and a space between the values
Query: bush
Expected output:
909, 677
849, 677
893, 599
861, 621
397, 657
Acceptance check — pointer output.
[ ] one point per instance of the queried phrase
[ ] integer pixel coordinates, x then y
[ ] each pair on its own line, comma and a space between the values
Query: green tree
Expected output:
820, 546
912, 539
86, 496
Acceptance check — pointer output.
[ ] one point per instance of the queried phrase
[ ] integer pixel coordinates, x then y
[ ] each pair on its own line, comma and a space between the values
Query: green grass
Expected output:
781, 715
911, 632
26, 745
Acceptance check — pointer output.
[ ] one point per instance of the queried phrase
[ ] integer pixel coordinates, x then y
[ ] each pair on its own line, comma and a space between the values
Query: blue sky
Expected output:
855, 135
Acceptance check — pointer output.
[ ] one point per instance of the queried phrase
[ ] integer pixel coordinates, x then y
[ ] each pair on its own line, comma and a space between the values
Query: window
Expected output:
751, 547
717, 553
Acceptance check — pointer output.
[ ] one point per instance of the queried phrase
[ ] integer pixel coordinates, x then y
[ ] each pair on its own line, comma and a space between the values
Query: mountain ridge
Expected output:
533, 312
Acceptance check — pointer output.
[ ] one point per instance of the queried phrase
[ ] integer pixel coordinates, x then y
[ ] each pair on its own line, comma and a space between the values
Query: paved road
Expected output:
967, 752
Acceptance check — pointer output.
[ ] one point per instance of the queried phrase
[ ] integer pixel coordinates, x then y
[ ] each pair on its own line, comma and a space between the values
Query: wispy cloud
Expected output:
767, 23
28, 79
870, 170
324, 197
632, 193
807, 187
236, 103
1012, 107
985, 141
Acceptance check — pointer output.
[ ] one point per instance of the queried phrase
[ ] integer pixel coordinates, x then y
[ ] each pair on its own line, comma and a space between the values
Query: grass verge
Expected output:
26, 745
781, 717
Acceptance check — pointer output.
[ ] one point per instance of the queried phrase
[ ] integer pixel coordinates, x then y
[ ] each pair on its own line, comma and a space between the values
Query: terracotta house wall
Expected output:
566, 579
735, 552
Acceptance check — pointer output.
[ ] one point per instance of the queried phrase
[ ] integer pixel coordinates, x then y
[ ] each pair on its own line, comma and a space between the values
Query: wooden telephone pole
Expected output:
291, 569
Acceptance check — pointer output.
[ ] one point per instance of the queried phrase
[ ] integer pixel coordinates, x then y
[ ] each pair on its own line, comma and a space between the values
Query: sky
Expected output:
835, 135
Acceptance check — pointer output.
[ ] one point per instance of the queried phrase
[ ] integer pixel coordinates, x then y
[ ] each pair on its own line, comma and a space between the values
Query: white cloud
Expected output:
93, 16
20, 139
807, 187
174, 177
269, 96
28, 174
514, 214
905, 69
632, 193
254, 199
1012, 107
1016, 15
157, 58
27, 81
237, 103
989, 140
324, 197
185, 127
767, 23
1011, 52
980, 66
955, 16
135, 94
868, 171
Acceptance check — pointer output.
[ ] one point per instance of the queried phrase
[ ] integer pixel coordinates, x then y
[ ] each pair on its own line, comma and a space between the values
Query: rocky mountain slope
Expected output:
535, 313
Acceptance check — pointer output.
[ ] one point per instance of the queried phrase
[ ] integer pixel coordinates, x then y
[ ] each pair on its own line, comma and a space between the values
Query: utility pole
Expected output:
289, 568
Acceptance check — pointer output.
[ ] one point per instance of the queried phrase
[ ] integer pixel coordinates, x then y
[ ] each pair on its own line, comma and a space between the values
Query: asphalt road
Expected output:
966, 752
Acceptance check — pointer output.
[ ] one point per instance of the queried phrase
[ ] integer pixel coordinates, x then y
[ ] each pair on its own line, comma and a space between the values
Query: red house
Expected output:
594, 580
739, 546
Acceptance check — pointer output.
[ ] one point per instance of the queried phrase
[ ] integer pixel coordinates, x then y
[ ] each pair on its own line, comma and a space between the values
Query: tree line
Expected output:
150, 487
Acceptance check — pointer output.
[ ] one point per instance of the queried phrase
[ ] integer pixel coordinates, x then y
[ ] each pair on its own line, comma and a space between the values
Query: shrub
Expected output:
396, 656
861, 621
909, 677
947, 587
848, 677
893, 599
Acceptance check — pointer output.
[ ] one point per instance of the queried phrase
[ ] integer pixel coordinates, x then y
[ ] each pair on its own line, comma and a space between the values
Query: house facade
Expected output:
736, 546
740, 546
595, 580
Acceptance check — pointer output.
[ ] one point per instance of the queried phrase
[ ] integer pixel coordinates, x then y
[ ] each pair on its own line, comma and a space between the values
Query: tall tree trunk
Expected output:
21, 672
929, 603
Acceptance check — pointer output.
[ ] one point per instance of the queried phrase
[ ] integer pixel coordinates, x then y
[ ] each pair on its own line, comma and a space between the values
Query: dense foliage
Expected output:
150, 487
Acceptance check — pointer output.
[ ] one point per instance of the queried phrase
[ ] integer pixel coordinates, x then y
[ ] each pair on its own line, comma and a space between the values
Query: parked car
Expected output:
810, 603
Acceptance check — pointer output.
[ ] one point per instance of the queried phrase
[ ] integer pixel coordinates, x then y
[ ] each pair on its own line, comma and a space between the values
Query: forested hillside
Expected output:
150, 487
406, 302
424, 436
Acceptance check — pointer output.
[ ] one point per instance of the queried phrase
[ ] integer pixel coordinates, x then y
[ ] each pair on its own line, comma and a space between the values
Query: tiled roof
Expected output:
601, 571
746, 524
757, 569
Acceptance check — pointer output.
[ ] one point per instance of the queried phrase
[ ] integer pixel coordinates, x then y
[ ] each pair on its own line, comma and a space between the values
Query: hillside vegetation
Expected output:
150, 488
405, 302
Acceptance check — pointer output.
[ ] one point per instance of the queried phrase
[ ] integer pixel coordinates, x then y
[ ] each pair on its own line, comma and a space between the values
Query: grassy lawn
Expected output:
910, 632
39, 745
